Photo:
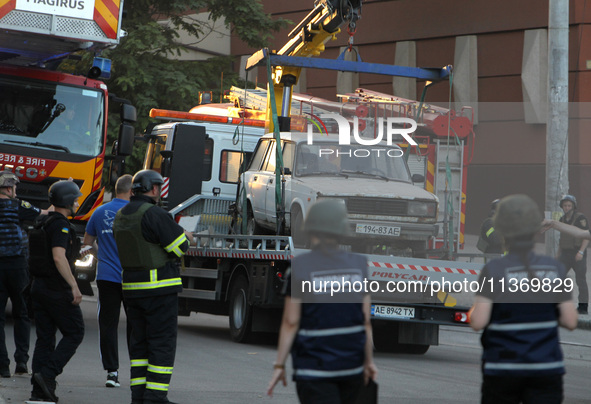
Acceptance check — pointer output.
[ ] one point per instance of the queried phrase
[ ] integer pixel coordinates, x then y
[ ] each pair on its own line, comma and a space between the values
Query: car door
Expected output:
270, 205
255, 183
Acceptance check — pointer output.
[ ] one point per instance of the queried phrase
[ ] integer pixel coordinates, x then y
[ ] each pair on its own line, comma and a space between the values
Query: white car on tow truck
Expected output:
385, 208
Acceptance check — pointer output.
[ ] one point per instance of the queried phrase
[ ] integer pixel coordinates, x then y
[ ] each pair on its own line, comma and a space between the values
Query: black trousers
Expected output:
567, 257
110, 298
329, 392
54, 311
152, 346
12, 282
526, 390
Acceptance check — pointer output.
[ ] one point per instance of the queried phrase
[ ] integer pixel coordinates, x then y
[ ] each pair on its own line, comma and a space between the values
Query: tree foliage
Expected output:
144, 71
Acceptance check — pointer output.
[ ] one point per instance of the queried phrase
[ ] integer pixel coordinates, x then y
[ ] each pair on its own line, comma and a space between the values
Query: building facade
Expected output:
499, 51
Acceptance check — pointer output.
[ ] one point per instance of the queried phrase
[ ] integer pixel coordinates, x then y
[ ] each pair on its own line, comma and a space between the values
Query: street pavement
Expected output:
584, 324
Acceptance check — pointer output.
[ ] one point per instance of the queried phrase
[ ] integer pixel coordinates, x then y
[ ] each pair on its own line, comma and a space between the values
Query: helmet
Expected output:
63, 194
569, 198
494, 204
8, 179
144, 180
517, 215
328, 216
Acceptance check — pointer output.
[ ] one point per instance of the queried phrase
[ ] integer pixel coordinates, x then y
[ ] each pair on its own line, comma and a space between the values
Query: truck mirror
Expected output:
126, 139
116, 169
128, 113
165, 167
418, 178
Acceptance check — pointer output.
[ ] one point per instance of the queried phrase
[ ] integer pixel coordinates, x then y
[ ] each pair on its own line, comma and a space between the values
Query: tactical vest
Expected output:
11, 239
137, 253
568, 242
41, 263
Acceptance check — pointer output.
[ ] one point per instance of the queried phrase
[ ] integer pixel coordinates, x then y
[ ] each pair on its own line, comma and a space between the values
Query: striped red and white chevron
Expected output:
370, 264
164, 191
424, 268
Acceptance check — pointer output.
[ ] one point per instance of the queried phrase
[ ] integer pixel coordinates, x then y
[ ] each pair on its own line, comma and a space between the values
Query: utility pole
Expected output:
557, 125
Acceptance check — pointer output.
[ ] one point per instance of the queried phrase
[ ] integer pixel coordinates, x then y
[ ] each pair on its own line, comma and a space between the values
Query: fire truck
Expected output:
242, 275
53, 125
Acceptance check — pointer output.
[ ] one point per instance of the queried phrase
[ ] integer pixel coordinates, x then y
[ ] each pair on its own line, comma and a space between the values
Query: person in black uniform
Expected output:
54, 292
573, 251
331, 344
14, 276
522, 361
490, 242
150, 243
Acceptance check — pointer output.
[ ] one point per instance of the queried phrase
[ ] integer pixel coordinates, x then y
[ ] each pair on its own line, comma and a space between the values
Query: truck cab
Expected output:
199, 158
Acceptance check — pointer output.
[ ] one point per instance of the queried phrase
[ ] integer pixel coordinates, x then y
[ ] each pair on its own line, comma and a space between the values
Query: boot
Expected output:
47, 386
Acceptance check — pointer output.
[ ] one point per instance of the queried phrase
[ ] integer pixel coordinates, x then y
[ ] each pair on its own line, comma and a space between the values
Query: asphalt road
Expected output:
210, 368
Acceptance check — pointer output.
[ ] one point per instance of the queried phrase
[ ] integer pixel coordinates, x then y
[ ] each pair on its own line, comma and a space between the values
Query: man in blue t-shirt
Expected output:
108, 278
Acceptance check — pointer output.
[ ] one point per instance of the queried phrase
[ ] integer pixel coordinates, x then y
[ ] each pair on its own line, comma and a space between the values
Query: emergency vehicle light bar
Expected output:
188, 116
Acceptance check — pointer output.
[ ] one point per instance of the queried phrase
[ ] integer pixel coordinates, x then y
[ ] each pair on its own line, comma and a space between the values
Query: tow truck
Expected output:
241, 275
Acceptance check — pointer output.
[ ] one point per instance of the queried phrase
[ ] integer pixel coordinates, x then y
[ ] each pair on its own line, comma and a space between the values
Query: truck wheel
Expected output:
252, 226
385, 339
297, 228
240, 310
414, 349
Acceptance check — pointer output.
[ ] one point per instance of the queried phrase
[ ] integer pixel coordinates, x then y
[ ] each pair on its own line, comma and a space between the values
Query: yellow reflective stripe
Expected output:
178, 252
153, 275
152, 285
165, 370
490, 231
139, 362
137, 381
157, 386
173, 247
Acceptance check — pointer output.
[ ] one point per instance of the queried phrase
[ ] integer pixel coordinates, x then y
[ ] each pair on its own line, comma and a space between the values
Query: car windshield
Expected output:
332, 159
51, 117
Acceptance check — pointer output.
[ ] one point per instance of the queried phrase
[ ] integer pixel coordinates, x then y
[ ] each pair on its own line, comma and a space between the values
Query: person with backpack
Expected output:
54, 248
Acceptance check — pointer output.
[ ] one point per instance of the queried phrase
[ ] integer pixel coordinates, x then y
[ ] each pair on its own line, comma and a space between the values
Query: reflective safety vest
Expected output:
136, 252
11, 236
